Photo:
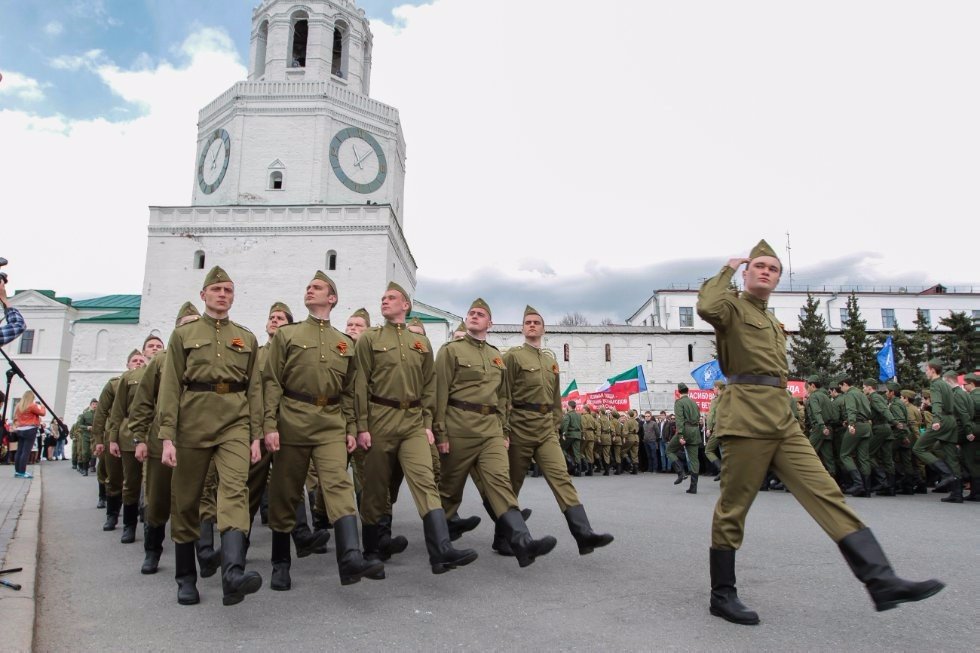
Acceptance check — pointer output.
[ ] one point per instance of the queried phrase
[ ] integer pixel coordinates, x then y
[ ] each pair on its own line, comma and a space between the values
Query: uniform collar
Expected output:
755, 301
531, 347
474, 341
213, 321
397, 325
317, 321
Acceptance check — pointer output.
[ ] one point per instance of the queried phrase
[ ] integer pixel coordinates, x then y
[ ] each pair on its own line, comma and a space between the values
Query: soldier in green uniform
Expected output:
532, 375
899, 417
571, 432
941, 431
113, 462
819, 407
912, 482
857, 415
106, 396
357, 323
963, 412
121, 443
838, 430
759, 431
616, 449
711, 448
687, 437
631, 444
83, 442
604, 444
144, 426
971, 449
210, 409
394, 394
471, 409
308, 381
590, 434
881, 448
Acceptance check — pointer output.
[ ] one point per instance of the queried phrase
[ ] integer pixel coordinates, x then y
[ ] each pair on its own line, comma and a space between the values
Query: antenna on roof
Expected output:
789, 260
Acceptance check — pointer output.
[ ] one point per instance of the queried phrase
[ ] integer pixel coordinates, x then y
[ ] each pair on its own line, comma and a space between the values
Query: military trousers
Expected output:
856, 447
113, 474
411, 453
792, 458
947, 449
588, 451
690, 450
398, 475
101, 471
971, 457
547, 454
633, 451
711, 448
487, 457
231, 462
258, 479
209, 494
615, 453
158, 477
573, 448
602, 451
84, 445
881, 448
132, 478
824, 446
287, 483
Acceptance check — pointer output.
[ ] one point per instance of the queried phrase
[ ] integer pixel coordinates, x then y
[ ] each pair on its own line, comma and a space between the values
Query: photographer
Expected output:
15, 321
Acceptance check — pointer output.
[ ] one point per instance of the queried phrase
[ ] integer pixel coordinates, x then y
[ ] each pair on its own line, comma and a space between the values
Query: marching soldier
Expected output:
100, 430
631, 446
617, 422
605, 438
309, 417
590, 433
711, 448
971, 449
963, 412
819, 407
687, 436
912, 482
83, 441
358, 323
532, 375
394, 400
571, 432
758, 431
941, 430
900, 418
880, 449
210, 409
857, 414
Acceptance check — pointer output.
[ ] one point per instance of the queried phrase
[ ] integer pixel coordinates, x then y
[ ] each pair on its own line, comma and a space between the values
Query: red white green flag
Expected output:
629, 382
571, 392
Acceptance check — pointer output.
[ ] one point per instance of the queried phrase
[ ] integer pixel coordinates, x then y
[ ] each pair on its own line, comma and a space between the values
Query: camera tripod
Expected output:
16, 371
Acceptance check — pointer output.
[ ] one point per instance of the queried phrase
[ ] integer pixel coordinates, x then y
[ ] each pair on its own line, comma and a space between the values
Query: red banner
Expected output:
610, 400
703, 398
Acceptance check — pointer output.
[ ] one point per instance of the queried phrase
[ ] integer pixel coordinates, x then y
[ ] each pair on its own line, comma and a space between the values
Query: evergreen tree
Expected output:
957, 347
858, 359
810, 348
919, 351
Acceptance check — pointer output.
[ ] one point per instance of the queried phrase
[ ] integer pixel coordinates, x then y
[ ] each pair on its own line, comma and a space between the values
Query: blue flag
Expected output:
707, 374
886, 361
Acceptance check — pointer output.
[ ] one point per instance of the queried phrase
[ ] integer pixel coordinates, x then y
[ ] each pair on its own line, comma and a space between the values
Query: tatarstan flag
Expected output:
629, 382
571, 392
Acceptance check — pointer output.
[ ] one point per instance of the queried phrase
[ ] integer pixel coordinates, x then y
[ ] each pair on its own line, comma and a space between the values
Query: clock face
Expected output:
358, 160
213, 164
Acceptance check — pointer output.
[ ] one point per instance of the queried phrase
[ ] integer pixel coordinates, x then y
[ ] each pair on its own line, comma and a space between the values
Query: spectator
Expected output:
651, 437
61, 439
27, 420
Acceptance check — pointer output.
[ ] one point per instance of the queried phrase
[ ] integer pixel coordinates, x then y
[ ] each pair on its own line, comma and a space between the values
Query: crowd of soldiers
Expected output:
202, 433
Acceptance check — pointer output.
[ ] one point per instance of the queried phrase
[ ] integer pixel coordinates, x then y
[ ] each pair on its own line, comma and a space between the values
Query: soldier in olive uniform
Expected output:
632, 443
912, 482
687, 437
941, 432
571, 433
617, 422
470, 411
819, 407
82, 444
106, 395
881, 448
358, 323
394, 395
532, 375
963, 412
144, 426
590, 434
900, 418
711, 448
857, 438
308, 381
971, 449
121, 443
210, 409
759, 431
604, 444
100, 430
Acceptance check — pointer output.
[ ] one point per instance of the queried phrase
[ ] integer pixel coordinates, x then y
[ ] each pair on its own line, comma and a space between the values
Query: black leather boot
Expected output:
389, 545
955, 493
693, 489
947, 477
869, 564
186, 574
131, 513
152, 547
235, 581
83, 468
370, 535
112, 506
525, 548
281, 561
605, 468
308, 541
500, 543
724, 597
458, 526
679, 469
574, 470
974, 495
888, 489
856, 489
351, 565
74, 464
101, 504
878, 479
588, 469
580, 528
207, 557
618, 468
442, 556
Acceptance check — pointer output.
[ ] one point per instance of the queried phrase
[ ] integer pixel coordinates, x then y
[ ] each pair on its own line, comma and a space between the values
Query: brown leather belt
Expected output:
756, 379
469, 406
394, 403
543, 409
313, 400
217, 388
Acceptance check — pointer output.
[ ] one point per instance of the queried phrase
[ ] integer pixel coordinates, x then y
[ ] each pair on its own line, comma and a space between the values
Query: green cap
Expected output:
479, 303
571, 403
394, 286
763, 249
363, 314
135, 352
682, 387
972, 378
951, 374
530, 310
323, 277
814, 378
280, 306
216, 275
908, 394
93, 400
187, 310
150, 337
870, 382
894, 387
936, 364
460, 328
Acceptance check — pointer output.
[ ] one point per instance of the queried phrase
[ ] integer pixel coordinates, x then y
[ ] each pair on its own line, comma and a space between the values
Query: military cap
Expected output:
281, 307
936, 364
927, 394
571, 403
416, 322
951, 374
460, 328
187, 310
150, 337
972, 378
216, 275
894, 387
814, 378
323, 277
479, 303
682, 387
394, 286
93, 400
135, 352
363, 314
763, 249
530, 310
908, 394
870, 382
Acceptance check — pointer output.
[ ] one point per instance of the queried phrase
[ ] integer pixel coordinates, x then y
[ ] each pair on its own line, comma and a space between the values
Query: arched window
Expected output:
199, 260
101, 345
690, 353
568, 352
338, 61
275, 180
298, 33
608, 352
260, 42
331, 260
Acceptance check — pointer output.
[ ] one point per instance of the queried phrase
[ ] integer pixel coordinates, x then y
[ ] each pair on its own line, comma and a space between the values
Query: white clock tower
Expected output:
297, 169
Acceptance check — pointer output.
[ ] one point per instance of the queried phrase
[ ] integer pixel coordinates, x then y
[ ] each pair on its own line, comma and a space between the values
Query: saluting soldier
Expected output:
532, 374
471, 408
941, 430
113, 462
759, 431
83, 442
395, 390
308, 381
688, 437
145, 426
210, 409
571, 432
857, 415
121, 443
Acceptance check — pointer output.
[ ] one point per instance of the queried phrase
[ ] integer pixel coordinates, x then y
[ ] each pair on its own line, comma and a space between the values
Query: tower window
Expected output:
27, 342
261, 40
338, 61
568, 352
300, 32
275, 181
608, 352
199, 260
331, 260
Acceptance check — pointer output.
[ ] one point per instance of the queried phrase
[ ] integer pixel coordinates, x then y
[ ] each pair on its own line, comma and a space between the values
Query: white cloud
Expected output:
54, 28
89, 60
21, 87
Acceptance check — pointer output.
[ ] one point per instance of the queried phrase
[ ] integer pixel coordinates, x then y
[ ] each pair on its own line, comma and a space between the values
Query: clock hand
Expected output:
357, 159
366, 155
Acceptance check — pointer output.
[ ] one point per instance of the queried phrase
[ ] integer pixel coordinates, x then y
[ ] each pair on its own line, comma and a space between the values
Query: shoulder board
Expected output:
494, 347
242, 326
196, 318
549, 353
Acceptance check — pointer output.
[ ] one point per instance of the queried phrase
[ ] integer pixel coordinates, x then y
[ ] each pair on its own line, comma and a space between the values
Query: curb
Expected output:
20, 609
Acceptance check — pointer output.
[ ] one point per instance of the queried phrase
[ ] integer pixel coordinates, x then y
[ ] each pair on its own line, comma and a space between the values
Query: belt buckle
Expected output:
544, 410
404, 405
322, 401
484, 410
222, 388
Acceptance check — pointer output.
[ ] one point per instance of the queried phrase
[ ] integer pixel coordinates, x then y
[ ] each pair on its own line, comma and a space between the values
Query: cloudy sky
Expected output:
573, 155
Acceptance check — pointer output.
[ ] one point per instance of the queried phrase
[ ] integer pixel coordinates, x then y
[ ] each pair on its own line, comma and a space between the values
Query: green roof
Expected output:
50, 294
425, 317
125, 316
110, 301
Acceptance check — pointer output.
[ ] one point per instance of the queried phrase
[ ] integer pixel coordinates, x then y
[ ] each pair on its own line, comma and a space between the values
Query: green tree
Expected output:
957, 347
919, 350
858, 360
810, 348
